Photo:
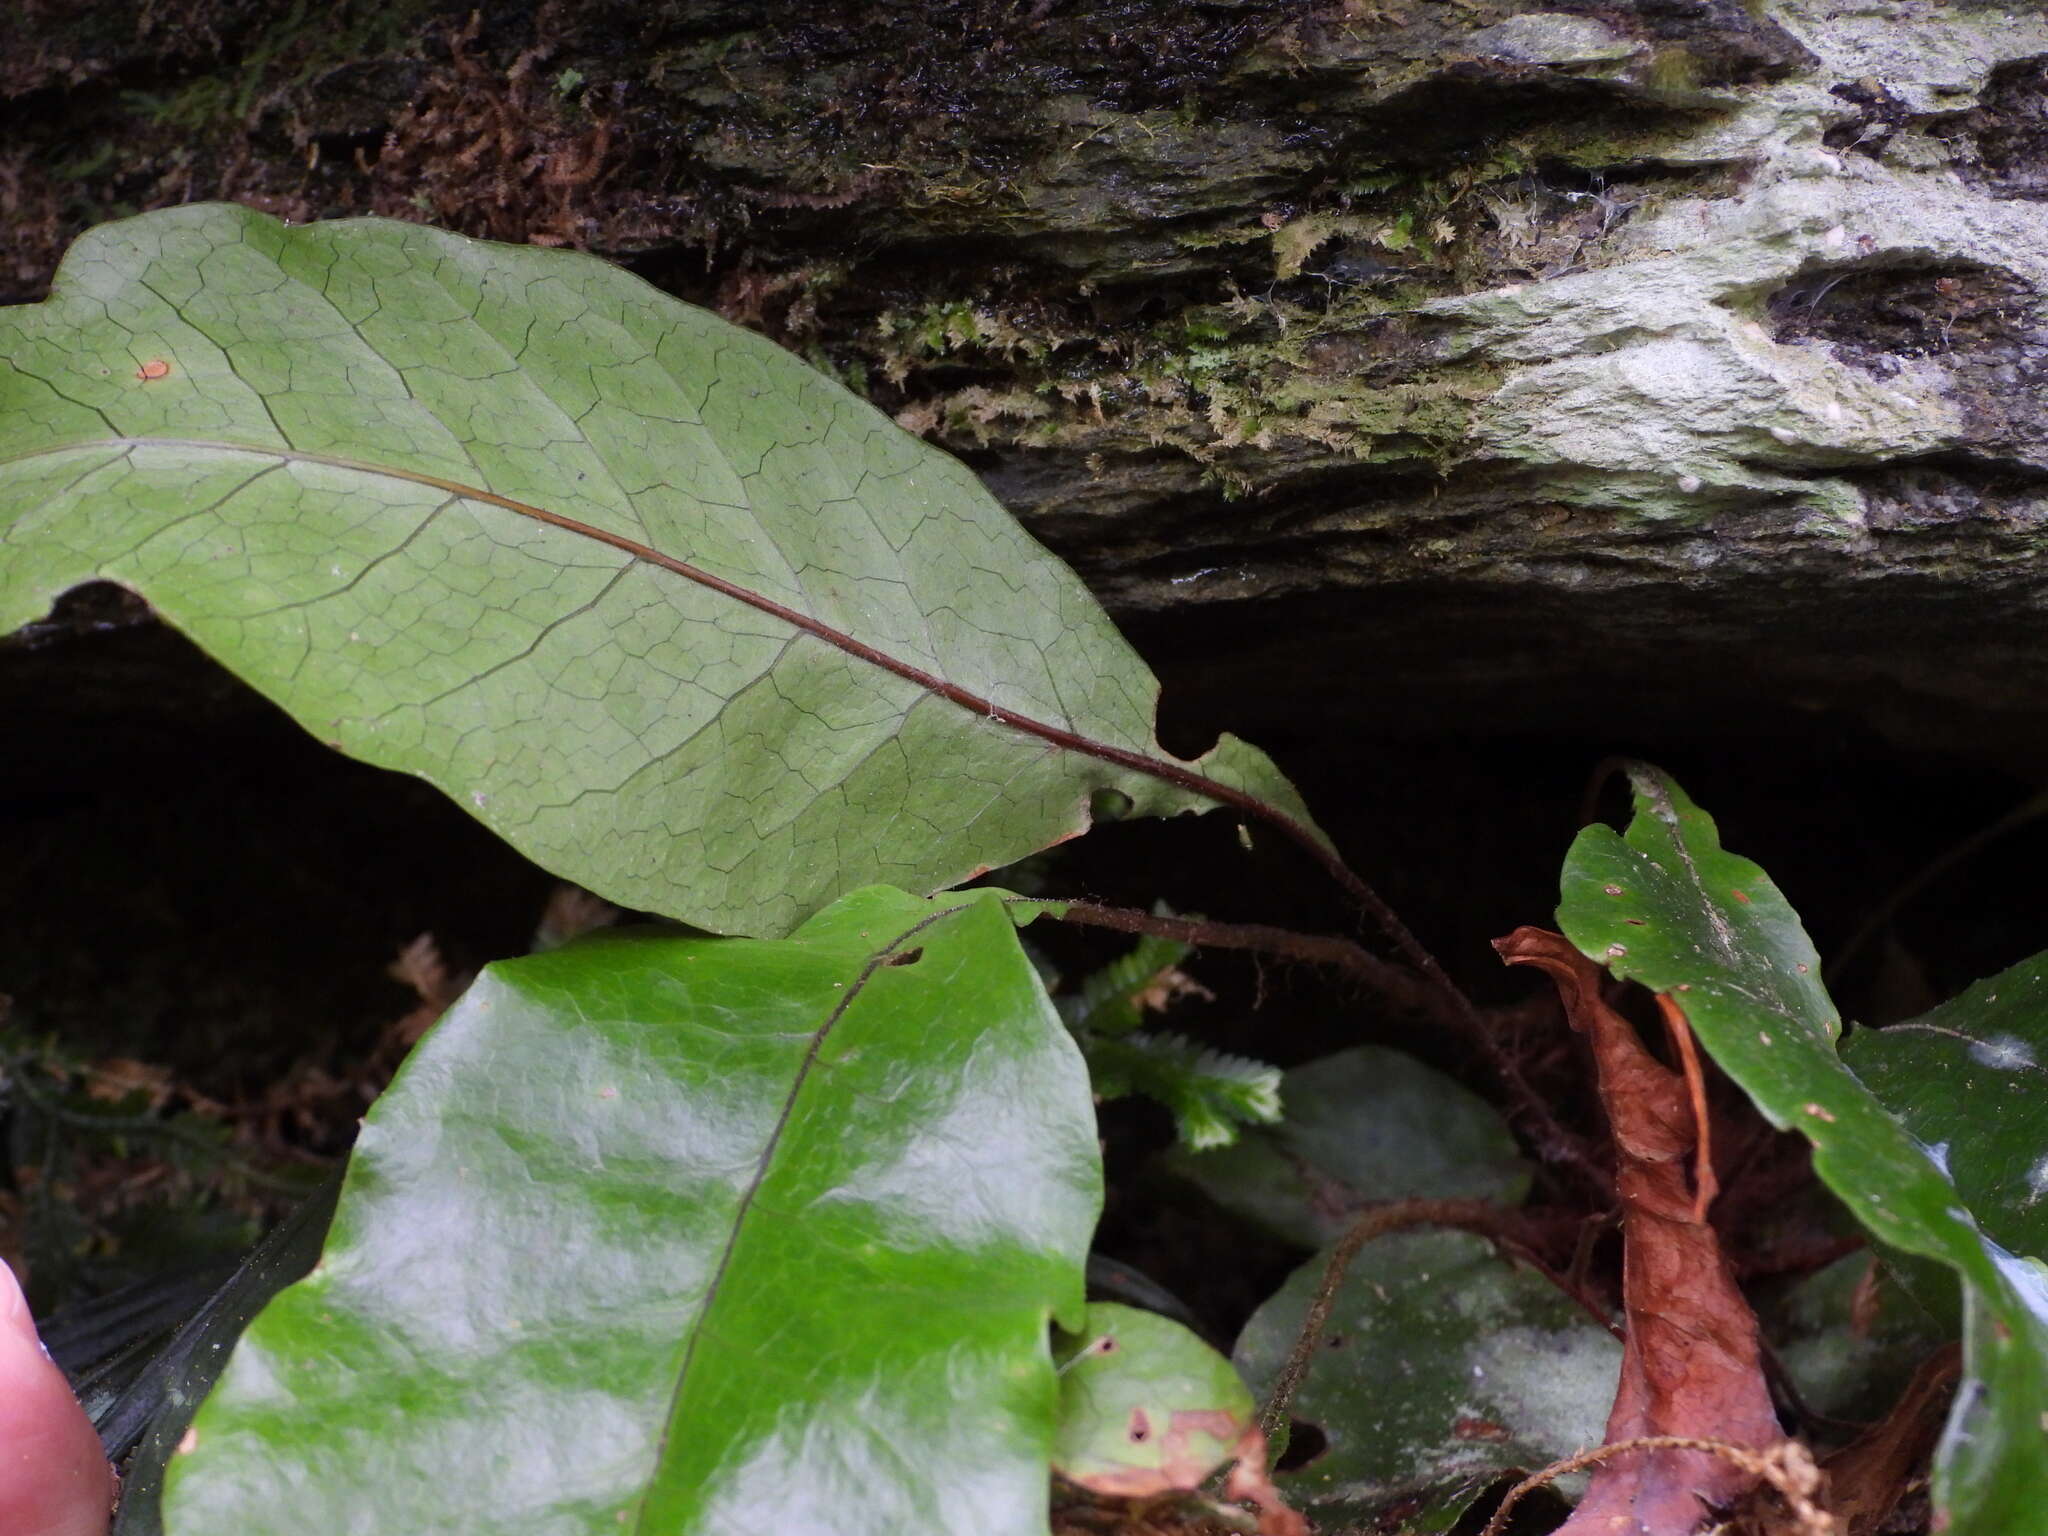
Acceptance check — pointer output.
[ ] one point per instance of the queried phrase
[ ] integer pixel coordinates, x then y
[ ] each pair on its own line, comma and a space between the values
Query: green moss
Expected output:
1245, 382
1673, 71
300, 44
89, 164
1201, 329
190, 109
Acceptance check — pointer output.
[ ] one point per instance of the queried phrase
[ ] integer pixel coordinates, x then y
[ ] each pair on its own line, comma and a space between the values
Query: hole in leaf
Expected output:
1305, 1442
908, 957
1141, 1427
1109, 805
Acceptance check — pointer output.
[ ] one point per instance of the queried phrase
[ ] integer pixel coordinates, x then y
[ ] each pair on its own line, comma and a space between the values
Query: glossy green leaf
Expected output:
1969, 1080
689, 1235
671, 612
1669, 907
1441, 1367
1360, 1125
1145, 1406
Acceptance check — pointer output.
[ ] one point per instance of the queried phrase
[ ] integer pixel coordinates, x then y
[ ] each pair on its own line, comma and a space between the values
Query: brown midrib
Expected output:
1163, 769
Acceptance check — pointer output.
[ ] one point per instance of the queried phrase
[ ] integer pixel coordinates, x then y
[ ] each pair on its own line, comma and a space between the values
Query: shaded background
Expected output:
1055, 237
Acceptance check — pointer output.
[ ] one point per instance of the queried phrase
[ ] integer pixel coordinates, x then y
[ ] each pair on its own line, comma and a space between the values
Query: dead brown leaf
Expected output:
570, 913
1163, 990
116, 1077
1691, 1366
1868, 1477
1251, 1482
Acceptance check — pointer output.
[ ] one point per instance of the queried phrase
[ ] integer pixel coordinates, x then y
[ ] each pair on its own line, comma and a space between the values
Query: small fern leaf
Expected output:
1209, 1092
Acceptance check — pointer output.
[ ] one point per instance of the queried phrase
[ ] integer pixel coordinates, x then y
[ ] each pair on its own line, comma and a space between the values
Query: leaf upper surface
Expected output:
1669, 907
1145, 1406
1970, 1079
1441, 1366
688, 1236
1363, 1124
675, 614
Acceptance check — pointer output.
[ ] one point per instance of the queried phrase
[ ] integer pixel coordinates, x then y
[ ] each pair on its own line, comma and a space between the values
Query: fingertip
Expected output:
54, 1480
14, 1313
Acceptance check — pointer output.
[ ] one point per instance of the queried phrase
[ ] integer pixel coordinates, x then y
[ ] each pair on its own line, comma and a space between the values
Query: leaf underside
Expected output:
1669, 907
676, 615
685, 1236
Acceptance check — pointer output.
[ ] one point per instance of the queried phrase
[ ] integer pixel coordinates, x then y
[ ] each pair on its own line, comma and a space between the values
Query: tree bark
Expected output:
1645, 365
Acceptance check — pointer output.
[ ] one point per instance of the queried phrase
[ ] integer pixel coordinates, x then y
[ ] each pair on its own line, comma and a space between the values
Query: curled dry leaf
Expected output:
570, 913
1690, 1364
114, 1078
1867, 1477
1250, 1482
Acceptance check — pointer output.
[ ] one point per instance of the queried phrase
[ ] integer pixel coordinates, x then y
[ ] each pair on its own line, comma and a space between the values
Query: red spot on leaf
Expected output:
155, 368
1742, 898
1480, 1429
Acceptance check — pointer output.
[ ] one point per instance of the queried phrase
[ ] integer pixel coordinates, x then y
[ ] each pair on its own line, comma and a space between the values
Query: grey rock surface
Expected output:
1766, 431
1625, 366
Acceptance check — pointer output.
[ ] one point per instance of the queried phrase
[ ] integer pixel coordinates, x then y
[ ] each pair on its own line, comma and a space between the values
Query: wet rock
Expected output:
1620, 363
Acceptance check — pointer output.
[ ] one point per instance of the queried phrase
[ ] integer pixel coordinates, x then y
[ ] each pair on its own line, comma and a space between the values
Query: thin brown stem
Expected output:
1169, 770
1389, 981
1703, 1186
1480, 1216
1445, 1004
1787, 1466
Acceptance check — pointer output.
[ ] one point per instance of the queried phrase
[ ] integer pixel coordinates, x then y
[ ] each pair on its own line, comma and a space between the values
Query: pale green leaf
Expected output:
1145, 1406
1107, 1001
1211, 1093
673, 613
